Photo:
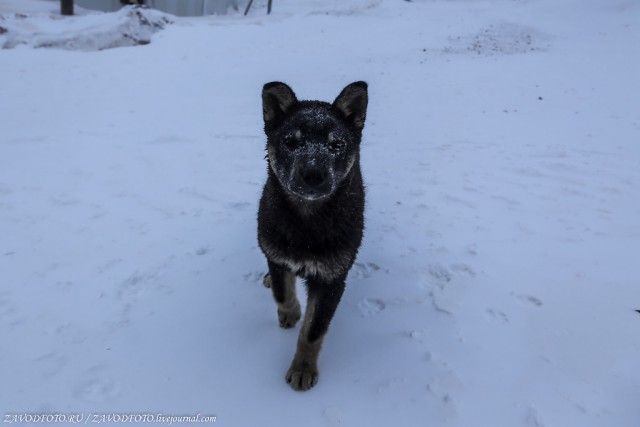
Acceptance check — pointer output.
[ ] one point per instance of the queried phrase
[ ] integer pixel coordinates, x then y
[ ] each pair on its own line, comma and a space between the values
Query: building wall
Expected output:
175, 7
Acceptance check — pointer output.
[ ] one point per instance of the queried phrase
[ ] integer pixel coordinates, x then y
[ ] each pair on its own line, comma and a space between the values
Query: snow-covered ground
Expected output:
499, 276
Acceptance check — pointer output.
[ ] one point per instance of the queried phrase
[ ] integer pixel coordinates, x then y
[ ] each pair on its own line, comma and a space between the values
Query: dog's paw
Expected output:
266, 280
302, 376
289, 318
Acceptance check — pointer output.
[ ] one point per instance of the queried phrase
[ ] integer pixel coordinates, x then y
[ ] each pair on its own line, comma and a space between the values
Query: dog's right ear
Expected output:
277, 99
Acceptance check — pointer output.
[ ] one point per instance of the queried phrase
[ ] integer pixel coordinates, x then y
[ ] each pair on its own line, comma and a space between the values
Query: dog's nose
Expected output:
313, 176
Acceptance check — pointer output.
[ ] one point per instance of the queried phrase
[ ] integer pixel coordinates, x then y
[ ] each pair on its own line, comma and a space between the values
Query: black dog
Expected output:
311, 215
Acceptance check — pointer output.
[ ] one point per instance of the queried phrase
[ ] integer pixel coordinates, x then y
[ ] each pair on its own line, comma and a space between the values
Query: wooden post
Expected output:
66, 7
248, 7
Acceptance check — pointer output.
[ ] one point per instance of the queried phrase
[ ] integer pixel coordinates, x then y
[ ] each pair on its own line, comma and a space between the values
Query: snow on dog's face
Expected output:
312, 145
311, 152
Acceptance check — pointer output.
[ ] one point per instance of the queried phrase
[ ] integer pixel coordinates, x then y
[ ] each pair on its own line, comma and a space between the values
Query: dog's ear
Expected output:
352, 103
277, 99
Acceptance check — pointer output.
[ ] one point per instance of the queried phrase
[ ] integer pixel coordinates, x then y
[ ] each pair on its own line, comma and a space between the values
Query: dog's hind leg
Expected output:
282, 282
322, 302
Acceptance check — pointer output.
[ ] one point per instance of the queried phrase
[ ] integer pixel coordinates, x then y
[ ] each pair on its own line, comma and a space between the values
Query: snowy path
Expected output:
499, 274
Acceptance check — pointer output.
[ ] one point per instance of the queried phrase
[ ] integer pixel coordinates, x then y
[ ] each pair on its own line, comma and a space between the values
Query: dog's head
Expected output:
312, 145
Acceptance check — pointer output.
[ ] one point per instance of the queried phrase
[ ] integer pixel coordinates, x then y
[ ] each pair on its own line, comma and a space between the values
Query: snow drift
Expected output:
128, 26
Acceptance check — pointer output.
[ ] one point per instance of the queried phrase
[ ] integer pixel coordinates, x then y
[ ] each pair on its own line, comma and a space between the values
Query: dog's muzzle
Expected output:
312, 178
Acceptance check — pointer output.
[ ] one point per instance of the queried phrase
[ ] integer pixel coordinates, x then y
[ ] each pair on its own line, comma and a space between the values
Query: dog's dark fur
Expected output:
311, 215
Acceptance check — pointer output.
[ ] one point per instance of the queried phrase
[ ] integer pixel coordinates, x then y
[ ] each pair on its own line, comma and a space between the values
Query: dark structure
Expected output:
251, 2
66, 7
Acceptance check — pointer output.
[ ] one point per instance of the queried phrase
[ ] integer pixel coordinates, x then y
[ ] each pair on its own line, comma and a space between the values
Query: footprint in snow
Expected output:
472, 249
417, 335
528, 299
51, 364
253, 276
439, 275
533, 418
365, 270
96, 387
370, 306
497, 316
134, 287
463, 268
238, 205
202, 251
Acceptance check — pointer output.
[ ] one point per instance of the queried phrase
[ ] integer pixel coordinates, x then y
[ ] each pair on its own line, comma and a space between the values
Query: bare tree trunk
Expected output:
66, 7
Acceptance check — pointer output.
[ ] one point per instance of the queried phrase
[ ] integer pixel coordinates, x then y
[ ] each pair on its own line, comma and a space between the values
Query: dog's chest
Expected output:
327, 262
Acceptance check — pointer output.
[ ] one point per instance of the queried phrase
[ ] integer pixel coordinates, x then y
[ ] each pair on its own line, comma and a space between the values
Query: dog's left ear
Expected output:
352, 103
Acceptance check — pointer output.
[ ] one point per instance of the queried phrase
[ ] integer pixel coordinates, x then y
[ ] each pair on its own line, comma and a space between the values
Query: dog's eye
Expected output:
336, 146
290, 141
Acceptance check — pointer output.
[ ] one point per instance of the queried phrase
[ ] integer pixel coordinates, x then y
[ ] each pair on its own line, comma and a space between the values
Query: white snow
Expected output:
498, 280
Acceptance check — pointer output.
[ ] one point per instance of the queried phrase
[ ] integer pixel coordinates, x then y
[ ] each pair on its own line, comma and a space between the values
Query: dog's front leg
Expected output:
322, 301
282, 282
